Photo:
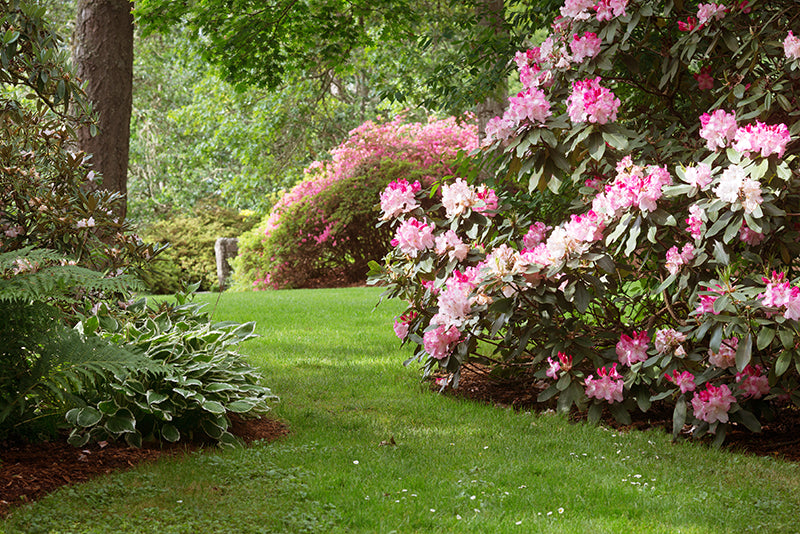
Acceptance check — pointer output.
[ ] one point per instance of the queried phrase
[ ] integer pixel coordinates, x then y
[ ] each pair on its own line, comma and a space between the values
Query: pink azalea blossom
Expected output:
689, 25
675, 260
669, 340
449, 243
609, 9
708, 12
487, 200
402, 322
695, 221
706, 305
762, 139
698, 176
684, 380
718, 128
704, 80
530, 105
749, 236
632, 349
454, 302
726, 356
791, 46
498, 128
591, 102
713, 404
778, 291
607, 386
398, 197
553, 368
536, 234
458, 197
577, 9
587, 46
414, 236
439, 342
735, 184
752, 382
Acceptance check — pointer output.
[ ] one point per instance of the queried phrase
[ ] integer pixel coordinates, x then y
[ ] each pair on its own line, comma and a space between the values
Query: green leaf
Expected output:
154, 397
783, 362
88, 416
121, 423
170, 432
620, 413
765, 337
678, 417
744, 352
747, 419
212, 406
240, 406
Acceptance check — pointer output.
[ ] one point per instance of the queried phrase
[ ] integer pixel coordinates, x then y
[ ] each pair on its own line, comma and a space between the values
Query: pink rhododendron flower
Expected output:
695, 221
438, 342
553, 368
791, 46
414, 236
726, 356
718, 128
698, 176
577, 9
689, 25
706, 305
778, 291
458, 197
708, 12
587, 227
730, 183
749, 236
449, 243
704, 80
591, 102
398, 197
713, 404
684, 380
607, 386
675, 260
530, 105
535, 235
498, 128
762, 139
609, 9
487, 200
752, 382
669, 340
454, 301
402, 322
632, 349
587, 46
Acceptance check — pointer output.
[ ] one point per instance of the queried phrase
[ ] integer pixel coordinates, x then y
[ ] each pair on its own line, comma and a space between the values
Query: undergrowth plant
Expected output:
672, 127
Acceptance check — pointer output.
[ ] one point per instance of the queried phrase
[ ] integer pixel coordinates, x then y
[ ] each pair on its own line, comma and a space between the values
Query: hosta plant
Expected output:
673, 127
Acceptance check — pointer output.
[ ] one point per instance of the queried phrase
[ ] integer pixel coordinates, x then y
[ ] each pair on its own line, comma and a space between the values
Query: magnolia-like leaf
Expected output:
744, 352
678, 417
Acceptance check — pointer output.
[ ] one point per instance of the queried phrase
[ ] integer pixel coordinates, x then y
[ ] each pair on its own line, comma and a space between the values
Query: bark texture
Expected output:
103, 55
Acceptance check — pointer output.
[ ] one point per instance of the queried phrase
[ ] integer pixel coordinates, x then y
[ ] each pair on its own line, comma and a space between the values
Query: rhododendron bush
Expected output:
672, 279
322, 232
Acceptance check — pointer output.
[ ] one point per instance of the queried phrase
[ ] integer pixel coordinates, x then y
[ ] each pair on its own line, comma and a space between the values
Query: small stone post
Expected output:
225, 248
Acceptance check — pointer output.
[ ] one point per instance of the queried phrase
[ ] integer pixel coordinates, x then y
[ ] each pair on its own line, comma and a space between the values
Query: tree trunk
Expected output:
491, 16
103, 55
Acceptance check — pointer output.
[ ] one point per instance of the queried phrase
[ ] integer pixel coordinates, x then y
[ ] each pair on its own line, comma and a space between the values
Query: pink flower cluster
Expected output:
459, 196
530, 105
402, 322
634, 185
735, 185
713, 404
779, 293
708, 12
719, 129
564, 363
455, 301
669, 340
698, 176
604, 9
632, 349
607, 386
414, 236
750, 236
439, 341
449, 243
675, 260
591, 102
535, 235
398, 197
725, 357
585, 46
791, 46
752, 382
684, 380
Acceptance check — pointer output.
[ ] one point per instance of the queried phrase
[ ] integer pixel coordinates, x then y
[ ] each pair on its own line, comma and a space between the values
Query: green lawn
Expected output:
457, 466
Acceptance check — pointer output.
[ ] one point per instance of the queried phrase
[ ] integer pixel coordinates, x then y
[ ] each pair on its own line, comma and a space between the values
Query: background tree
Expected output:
103, 55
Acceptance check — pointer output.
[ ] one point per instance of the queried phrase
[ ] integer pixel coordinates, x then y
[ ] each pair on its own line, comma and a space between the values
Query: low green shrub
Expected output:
198, 379
190, 257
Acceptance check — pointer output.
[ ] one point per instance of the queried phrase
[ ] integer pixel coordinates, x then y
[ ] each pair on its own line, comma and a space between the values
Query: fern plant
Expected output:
45, 366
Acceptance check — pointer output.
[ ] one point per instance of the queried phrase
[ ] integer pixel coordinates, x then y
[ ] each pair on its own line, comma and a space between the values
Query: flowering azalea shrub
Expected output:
323, 229
673, 126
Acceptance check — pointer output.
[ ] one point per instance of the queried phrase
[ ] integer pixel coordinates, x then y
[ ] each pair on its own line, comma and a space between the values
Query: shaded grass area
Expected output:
455, 466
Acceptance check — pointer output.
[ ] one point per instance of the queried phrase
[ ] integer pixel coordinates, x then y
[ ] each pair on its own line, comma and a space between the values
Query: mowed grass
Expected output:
456, 466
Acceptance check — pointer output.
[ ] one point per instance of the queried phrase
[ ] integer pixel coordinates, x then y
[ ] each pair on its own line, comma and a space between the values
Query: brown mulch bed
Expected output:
32, 470
779, 438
